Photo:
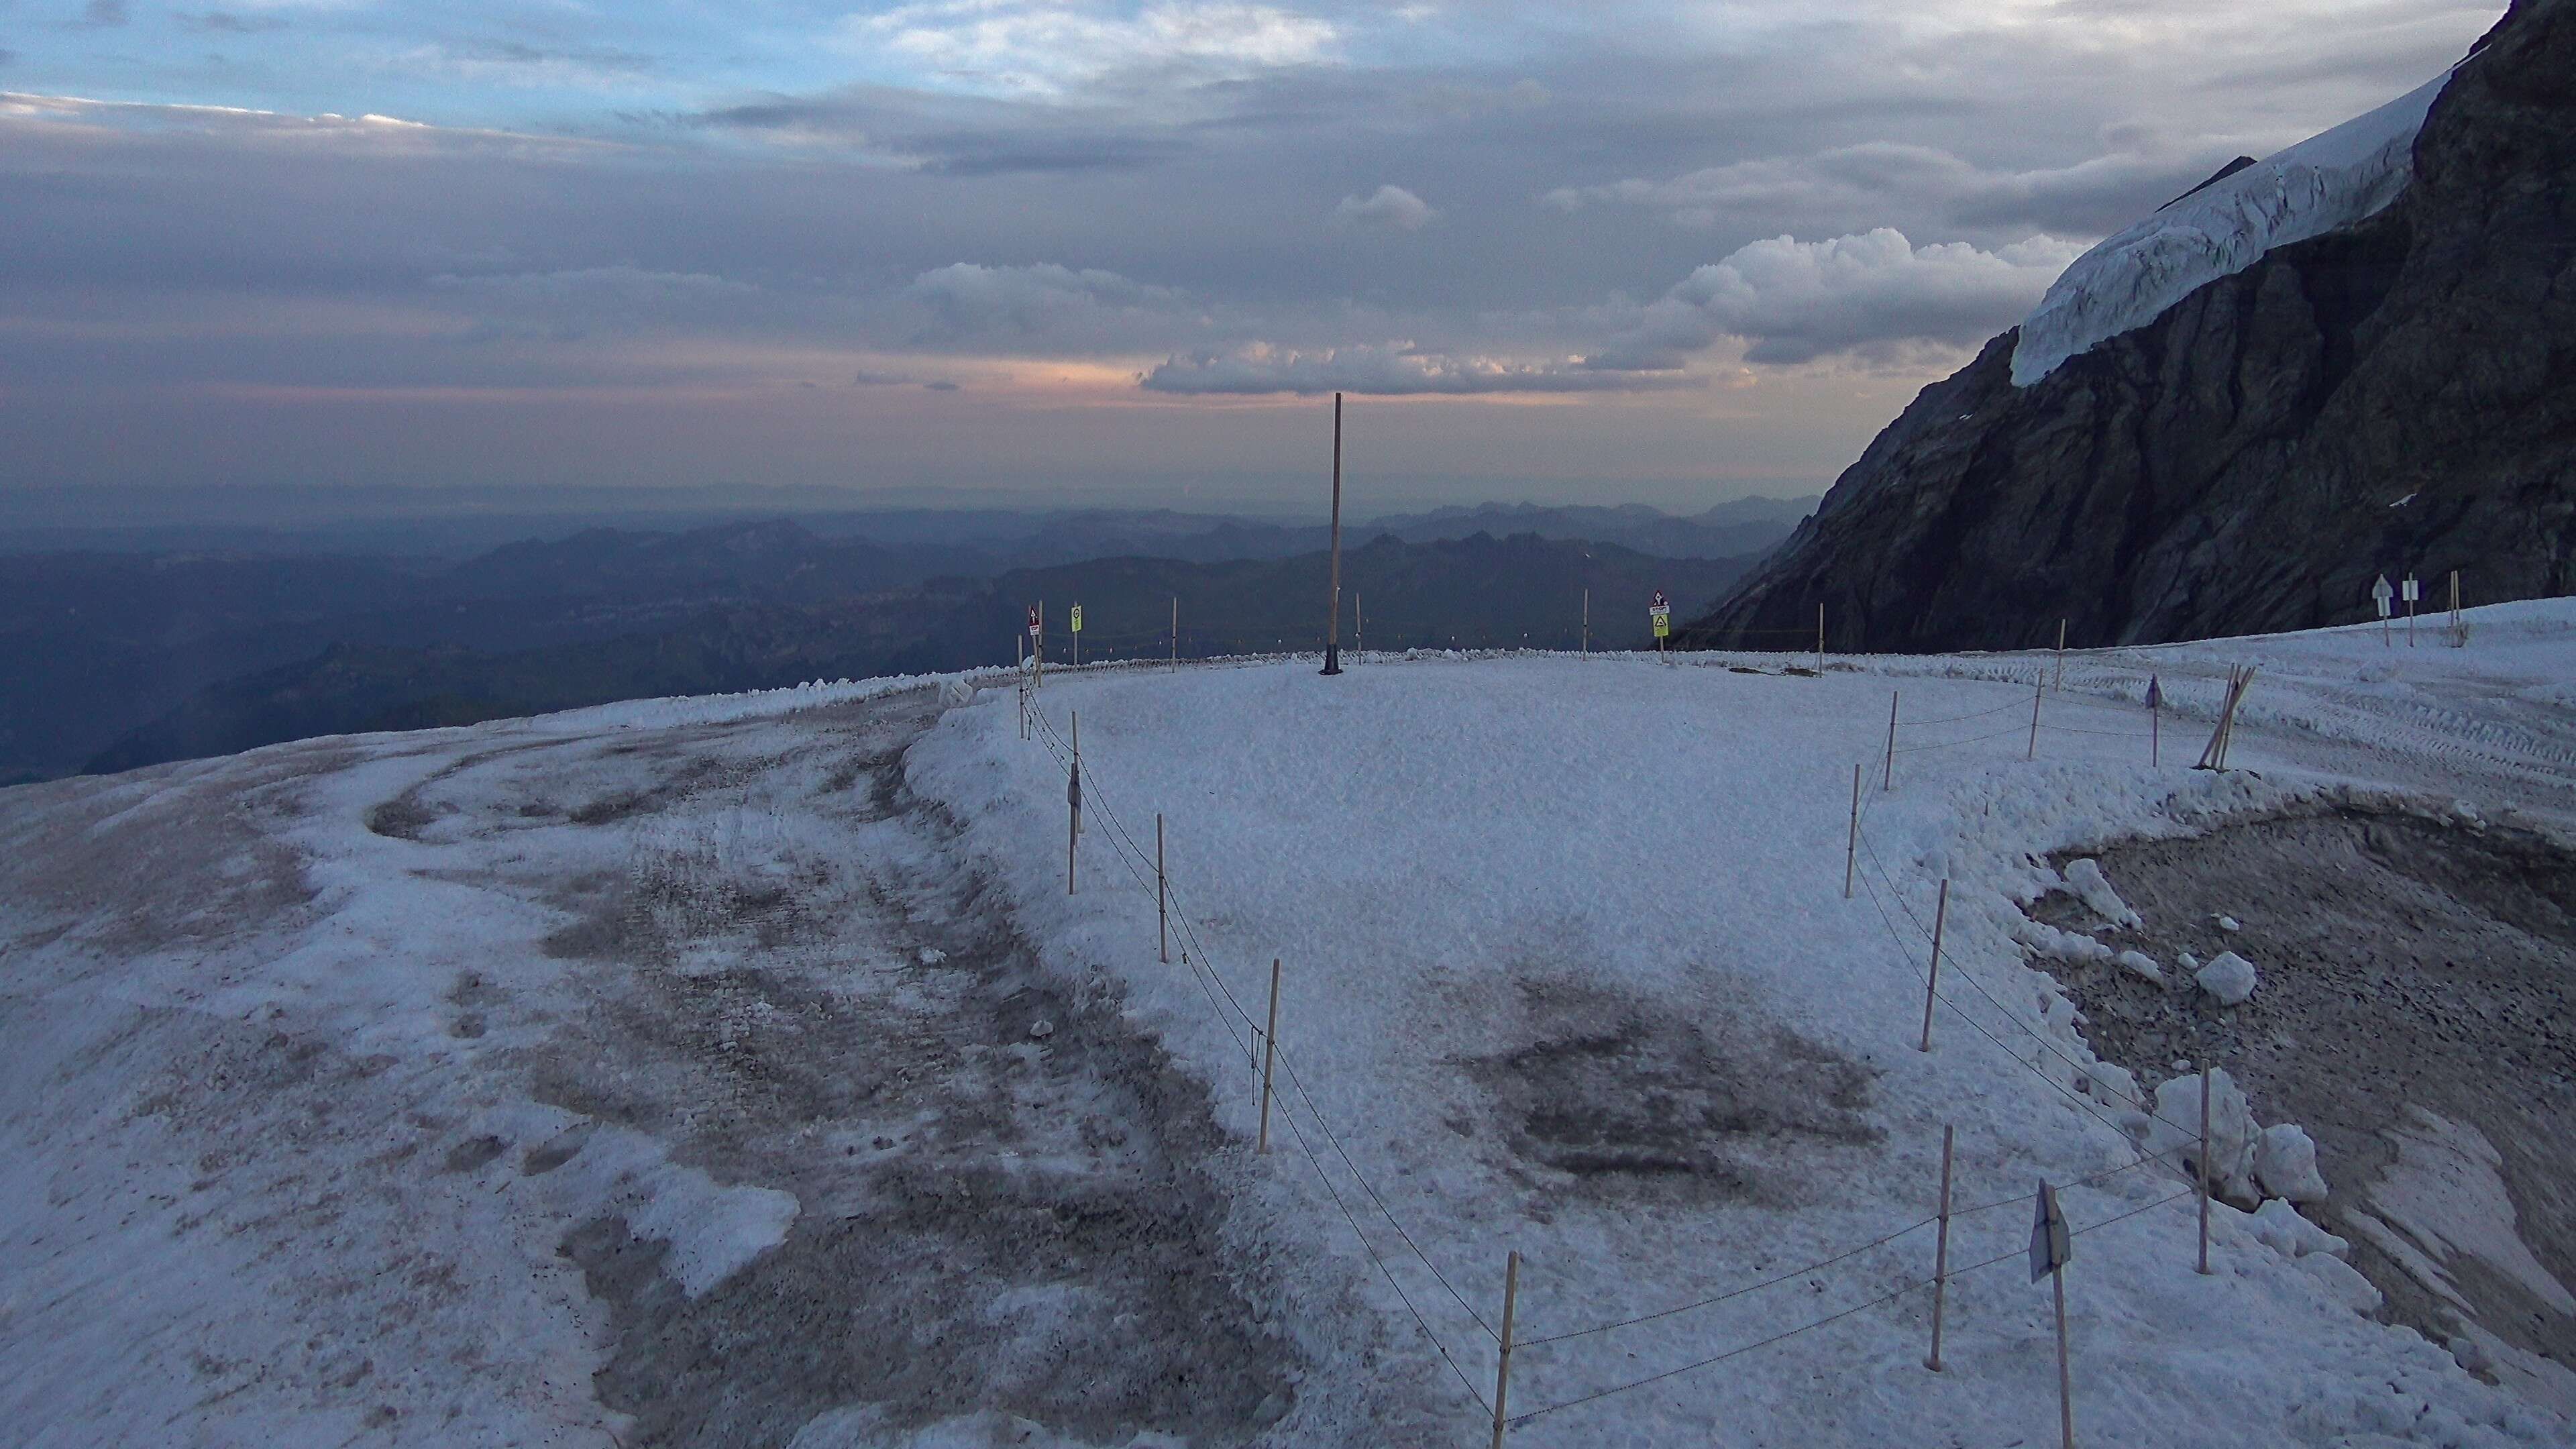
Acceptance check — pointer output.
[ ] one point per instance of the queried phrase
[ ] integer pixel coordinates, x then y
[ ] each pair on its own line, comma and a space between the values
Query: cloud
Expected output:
1397, 368
101, 15
224, 22
969, 299
1388, 206
1036, 48
868, 377
1795, 301
577, 302
2096, 195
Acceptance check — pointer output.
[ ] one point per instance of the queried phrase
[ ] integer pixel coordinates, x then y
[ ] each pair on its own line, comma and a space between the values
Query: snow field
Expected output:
1477, 872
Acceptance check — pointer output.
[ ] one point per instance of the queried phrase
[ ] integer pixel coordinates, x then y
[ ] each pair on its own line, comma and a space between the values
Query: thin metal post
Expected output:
1820, 638
1176, 631
1333, 606
2065, 1379
1932, 978
2035, 691
1887, 781
1941, 1256
1587, 621
1269, 1051
2061, 658
2204, 1167
1851, 852
1162, 893
1503, 1364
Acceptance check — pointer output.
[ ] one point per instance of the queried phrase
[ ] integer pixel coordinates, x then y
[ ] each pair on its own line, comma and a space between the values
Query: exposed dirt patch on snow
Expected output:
2412, 1014
1624, 1098
984, 1221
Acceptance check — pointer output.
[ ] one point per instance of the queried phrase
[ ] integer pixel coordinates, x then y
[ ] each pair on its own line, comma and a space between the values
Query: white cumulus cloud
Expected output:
969, 297
1390, 206
1046, 47
1795, 301
1394, 368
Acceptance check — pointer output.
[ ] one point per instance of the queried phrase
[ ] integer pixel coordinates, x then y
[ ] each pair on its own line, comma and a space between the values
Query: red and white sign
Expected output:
1033, 621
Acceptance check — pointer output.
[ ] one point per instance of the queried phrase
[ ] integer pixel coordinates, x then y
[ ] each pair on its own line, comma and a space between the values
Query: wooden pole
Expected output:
1037, 642
1887, 781
1587, 621
1075, 720
2061, 658
1176, 631
1359, 625
1941, 1257
1820, 639
2156, 734
1503, 1363
1162, 894
1851, 852
2034, 721
2065, 1379
1932, 978
1269, 1052
2203, 1154
1333, 609
1077, 639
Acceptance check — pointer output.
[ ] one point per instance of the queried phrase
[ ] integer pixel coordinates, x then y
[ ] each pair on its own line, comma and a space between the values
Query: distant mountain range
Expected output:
113, 660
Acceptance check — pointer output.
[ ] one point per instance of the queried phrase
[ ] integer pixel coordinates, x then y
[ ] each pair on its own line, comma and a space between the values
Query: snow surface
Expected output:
2330, 180
1490, 880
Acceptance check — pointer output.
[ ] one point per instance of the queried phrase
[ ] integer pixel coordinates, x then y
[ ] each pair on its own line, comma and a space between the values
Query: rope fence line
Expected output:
1213, 985
1888, 1297
1953, 744
2080, 1099
1287, 1061
1123, 845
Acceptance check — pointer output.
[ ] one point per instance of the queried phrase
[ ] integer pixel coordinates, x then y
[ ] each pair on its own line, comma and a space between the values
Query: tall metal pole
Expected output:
1333, 616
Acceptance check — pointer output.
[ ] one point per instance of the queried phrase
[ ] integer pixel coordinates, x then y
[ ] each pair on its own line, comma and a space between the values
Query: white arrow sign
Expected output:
2381, 593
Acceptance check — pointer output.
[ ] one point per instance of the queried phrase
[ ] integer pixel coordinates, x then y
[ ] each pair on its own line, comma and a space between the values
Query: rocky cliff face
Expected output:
2397, 395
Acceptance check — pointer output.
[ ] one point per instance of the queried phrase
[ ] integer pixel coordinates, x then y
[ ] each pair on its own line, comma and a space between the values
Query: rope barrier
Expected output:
1888, 1297
1212, 984
1871, 850
1952, 744
1285, 1059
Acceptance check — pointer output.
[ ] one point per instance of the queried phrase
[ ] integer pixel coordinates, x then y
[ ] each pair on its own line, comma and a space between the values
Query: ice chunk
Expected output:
2285, 1163
2229, 923
2327, 181
2230, 978
2143, 964
2342, 1282
2279, 1226
2059, 945
2085, 878
2231, 1132
2114, 1085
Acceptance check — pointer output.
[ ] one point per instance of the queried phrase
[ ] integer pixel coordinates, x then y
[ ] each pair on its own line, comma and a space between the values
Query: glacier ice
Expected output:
2330, 180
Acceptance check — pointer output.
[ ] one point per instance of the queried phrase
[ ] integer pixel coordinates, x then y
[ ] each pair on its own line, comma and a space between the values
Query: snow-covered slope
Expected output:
2327, 181
742, 1071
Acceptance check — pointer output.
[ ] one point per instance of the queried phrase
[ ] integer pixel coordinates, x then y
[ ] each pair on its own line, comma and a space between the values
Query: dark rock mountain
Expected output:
2398, 395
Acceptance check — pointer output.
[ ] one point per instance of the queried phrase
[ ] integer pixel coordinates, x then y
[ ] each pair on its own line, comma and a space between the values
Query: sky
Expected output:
1057, 251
